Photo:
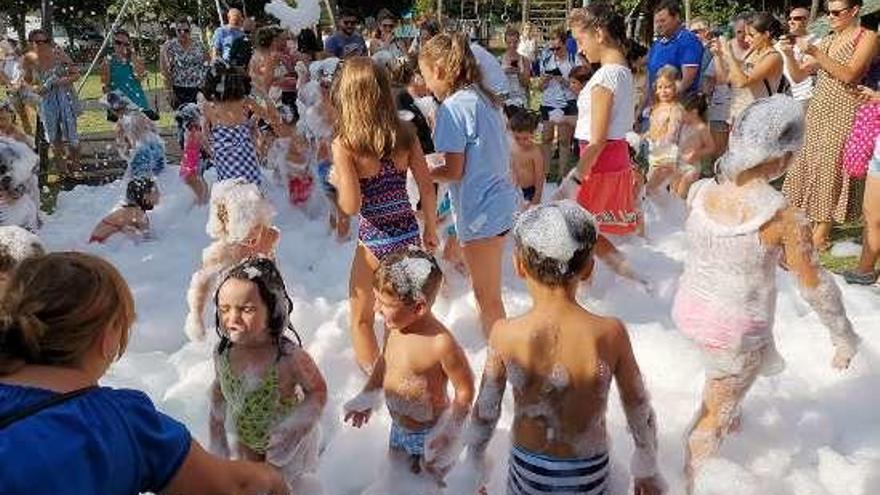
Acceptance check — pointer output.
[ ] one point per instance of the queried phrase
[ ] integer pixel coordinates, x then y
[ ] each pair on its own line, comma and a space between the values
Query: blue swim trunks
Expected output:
411, 442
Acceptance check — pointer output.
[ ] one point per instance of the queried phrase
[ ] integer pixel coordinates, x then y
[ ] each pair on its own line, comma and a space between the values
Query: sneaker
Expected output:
855, 278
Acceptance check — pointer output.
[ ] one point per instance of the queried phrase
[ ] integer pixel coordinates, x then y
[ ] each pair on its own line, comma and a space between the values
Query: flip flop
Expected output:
853, 277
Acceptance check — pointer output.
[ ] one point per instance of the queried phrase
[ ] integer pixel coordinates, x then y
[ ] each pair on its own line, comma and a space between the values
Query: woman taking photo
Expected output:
759, 74
816, 182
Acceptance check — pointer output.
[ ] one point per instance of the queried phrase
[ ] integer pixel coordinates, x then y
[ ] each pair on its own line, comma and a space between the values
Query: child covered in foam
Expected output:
137, 137
16, 245
130, 217
19, 193
240, 222
560, 359
420, 357
289, 156
268, 384
739, 229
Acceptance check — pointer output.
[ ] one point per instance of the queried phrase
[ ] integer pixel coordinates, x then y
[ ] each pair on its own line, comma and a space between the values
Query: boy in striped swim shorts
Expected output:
559, 359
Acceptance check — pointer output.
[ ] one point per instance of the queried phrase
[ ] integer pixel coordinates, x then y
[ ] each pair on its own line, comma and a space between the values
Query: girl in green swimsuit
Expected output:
268, 384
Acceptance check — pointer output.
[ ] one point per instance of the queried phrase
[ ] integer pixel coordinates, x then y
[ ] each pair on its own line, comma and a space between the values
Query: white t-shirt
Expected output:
493, 75
557, 94
800, 91
619, 79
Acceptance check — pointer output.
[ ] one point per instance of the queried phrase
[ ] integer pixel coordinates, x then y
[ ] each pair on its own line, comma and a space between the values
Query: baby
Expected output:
560, 359
19, 193
526, 158
130, 218
420, 357
240, 222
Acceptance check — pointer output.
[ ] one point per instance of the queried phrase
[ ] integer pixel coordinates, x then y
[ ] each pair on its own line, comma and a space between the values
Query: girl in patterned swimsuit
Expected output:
270, 385
371, 155
231, 116
193, 158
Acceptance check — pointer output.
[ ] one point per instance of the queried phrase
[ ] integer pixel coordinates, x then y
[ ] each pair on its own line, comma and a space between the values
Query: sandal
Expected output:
853, 277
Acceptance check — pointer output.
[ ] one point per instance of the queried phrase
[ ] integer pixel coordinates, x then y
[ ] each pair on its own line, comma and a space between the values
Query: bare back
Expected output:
560, 368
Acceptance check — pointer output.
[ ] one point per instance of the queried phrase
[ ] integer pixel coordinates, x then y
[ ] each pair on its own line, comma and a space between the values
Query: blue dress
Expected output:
148, 158
106, 441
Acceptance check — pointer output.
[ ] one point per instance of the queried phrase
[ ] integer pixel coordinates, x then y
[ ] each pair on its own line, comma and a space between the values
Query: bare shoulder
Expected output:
504, 333
444, 341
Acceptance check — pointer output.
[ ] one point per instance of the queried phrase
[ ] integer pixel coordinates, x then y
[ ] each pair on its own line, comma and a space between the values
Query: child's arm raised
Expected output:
639, 416
286, 436
345, 177
420, 172
815, 284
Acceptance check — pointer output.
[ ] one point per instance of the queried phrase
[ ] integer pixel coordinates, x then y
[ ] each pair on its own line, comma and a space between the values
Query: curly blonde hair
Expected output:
367, 121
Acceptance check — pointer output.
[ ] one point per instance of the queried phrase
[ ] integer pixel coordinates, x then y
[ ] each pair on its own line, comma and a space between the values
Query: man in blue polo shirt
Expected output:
676, 46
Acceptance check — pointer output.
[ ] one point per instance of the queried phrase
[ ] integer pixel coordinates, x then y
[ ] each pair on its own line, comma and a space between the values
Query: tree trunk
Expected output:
46, 11
18, 22
814, 10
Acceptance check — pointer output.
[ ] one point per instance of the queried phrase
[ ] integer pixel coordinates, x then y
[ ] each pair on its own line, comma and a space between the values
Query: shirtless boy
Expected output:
560, 359
526, 158
420, 357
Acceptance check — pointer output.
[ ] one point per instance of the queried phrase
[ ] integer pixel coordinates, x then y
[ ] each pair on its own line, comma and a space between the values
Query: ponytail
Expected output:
452, 52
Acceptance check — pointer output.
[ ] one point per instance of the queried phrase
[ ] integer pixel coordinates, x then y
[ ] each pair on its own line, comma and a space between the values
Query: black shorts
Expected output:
571, 108
183, 95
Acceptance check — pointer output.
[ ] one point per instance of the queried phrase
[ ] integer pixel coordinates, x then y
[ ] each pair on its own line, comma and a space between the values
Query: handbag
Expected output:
859, 146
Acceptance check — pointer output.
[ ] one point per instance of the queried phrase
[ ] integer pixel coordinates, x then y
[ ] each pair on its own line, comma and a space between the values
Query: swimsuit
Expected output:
234, 152
190, 161
410, 441
530, 473
299, 185
255, 411
324, 167
148, 158
387, 221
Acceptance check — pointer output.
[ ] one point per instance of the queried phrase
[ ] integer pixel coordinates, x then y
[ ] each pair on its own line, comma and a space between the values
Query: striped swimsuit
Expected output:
387, 222
535, 474
234, 152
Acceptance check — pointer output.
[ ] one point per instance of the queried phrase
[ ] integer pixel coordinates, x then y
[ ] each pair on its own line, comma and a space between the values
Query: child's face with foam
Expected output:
243, 313
396, 313
524, 139
665, 90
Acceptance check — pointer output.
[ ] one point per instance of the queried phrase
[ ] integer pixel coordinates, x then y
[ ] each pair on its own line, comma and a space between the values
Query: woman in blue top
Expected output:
123, 71
471, 133
65, 318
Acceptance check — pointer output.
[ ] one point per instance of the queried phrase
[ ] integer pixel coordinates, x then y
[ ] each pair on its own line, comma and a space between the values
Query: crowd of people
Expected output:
431, 143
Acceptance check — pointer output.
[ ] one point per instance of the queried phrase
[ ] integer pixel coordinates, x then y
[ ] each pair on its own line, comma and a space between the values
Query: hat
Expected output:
767, 129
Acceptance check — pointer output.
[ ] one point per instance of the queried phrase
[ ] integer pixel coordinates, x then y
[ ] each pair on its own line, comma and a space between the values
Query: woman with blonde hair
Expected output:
372, 153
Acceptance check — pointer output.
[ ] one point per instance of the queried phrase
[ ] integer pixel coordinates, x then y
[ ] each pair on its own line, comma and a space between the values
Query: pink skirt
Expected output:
608, 191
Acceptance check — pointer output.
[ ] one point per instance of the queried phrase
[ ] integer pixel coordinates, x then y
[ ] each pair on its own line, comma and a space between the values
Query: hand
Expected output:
430, 240
689, 156
842, 358
867, 94
648, 486
268, 482
715, 47
358, 418
805, 46
786, 46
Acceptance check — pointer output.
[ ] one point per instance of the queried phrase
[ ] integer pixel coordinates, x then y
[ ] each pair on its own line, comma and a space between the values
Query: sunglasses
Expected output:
41, 41
182, 30
798, 18
389, 25
121, 43
349, 23
838, 12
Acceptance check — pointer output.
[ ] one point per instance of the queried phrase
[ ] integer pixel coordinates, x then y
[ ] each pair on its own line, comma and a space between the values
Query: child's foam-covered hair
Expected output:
16, 245
236, 207
667, 72
56, 305
555, 241
412, 275
263, 273
187, 115
767, 129
18, 163
137, 190
523, 120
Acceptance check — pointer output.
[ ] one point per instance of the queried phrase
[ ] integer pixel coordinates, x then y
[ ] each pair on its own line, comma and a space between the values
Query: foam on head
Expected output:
16, 245
18, 163
555, 240
412, 274
237, 206
188, 114
767, 129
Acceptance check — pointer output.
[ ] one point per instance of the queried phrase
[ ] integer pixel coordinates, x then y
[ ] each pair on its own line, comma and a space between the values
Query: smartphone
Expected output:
554, 72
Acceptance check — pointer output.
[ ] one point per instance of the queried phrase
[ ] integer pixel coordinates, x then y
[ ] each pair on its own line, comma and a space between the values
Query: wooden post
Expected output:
814, 10
687, 13
525, 11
